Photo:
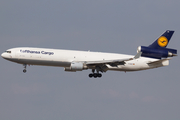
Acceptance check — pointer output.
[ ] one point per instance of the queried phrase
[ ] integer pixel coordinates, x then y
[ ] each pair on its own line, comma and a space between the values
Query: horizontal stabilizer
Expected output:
158, 61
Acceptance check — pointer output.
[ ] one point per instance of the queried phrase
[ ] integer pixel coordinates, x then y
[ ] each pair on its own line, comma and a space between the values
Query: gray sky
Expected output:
119, 26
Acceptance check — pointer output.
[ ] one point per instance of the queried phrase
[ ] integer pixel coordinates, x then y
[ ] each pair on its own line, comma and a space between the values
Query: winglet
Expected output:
137, 55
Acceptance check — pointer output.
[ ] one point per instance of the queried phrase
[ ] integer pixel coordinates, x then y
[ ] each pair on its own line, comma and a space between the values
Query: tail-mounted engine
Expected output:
156, 53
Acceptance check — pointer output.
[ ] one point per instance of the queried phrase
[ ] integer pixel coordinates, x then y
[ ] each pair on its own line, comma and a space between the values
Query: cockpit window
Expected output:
8, 51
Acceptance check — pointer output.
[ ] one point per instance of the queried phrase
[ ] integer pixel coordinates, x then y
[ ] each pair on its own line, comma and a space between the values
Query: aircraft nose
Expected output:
4, 55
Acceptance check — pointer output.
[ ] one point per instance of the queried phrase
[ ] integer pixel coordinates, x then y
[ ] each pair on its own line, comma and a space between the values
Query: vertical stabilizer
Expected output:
158, 48
163, 40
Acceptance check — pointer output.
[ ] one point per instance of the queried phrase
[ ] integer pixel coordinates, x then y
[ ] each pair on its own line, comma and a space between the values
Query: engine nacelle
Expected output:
75, 66
156, 53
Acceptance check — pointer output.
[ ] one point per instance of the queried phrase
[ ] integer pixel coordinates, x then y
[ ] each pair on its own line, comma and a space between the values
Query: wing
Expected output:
105, 61
112, 62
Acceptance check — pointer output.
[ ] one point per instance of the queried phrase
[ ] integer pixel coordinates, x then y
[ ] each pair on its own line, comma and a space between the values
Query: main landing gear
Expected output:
95, 75
24, 71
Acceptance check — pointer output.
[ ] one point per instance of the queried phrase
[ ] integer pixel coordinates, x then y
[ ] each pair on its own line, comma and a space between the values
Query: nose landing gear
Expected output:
24, 68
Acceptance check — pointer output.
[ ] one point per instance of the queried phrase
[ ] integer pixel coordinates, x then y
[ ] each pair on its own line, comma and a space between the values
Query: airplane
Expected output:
147, 57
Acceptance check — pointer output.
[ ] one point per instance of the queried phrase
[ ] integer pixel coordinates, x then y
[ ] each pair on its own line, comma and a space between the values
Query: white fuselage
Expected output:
64, 58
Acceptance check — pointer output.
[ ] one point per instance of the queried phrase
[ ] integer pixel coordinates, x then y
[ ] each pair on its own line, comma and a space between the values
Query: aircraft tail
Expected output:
163, 40
158, 48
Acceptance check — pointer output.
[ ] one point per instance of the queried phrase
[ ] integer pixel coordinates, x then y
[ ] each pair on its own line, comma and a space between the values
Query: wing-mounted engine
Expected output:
75, 66
156, 52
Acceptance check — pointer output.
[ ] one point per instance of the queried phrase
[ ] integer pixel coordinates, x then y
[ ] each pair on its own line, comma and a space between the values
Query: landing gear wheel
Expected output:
99, 75
24, 70
91, 75
95, 75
